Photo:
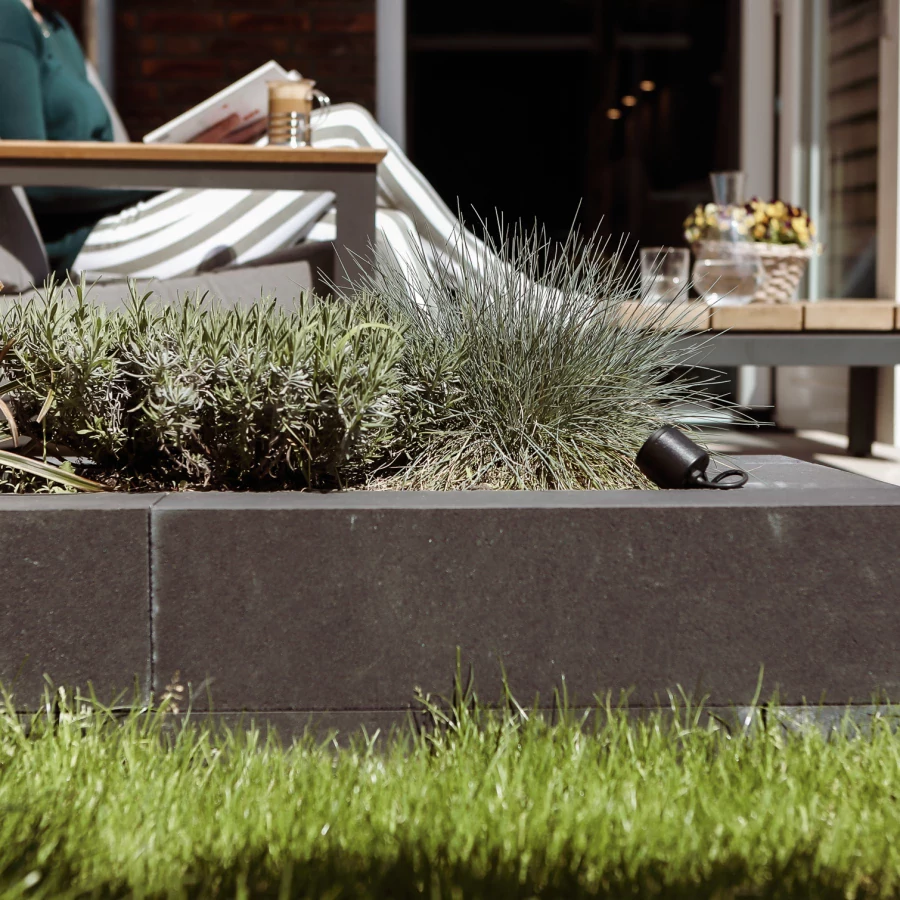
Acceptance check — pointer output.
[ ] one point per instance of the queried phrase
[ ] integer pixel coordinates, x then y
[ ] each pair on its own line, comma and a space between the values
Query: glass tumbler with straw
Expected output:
664, 274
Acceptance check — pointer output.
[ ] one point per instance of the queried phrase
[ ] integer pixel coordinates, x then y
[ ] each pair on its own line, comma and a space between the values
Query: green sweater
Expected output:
45, 95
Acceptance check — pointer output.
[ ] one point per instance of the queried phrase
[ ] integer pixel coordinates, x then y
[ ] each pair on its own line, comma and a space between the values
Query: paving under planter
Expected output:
341, 604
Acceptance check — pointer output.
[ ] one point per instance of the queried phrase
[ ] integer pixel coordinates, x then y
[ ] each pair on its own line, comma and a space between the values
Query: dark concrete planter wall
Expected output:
344, 603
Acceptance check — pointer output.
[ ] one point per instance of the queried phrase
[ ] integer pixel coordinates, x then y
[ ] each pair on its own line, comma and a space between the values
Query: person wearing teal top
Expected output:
45, 94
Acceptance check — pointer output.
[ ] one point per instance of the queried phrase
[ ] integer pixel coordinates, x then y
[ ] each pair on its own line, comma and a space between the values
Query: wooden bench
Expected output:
860, 334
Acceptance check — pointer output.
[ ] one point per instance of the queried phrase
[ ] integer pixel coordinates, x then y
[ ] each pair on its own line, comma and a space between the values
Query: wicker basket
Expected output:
784, 265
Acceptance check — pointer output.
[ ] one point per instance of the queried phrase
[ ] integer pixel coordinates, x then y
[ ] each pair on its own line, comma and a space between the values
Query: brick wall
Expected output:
171, 55
71, 11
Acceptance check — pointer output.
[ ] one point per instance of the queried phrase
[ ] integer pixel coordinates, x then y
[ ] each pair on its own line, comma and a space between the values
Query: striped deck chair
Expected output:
239, 242
181, 231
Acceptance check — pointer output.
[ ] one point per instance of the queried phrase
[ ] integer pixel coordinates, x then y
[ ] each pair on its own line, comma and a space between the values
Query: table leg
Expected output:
355, 207
862, 410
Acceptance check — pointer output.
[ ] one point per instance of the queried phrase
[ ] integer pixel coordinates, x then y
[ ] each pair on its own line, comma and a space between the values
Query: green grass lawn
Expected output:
483, 805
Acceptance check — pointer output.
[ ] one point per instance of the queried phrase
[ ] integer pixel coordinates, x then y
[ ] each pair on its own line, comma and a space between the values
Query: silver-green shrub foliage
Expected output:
202, 395
516, 365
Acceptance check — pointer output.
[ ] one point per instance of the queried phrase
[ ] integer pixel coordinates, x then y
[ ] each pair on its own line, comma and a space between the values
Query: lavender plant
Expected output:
198, 394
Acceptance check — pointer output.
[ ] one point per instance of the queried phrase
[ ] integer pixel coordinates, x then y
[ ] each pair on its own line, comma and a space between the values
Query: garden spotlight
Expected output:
670, 459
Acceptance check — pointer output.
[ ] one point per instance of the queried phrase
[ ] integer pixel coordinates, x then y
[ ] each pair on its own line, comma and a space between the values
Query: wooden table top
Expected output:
193, 154
818, 316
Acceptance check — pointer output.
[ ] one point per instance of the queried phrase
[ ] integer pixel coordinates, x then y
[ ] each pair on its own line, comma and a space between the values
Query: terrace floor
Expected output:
821, 447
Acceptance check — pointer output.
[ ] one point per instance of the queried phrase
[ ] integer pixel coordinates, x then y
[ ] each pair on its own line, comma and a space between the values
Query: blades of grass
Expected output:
554, 384
11, 386
10, 419
51, 396
7, 347
50, 472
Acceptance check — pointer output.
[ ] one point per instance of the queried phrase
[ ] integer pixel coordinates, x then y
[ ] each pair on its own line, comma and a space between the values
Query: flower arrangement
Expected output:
780, 223
776, 222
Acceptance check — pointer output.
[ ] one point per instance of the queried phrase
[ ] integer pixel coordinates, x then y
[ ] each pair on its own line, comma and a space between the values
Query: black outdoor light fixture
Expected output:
670, 459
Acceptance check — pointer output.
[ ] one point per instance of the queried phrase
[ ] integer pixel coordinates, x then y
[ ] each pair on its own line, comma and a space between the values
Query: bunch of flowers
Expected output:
770, 223
780, 223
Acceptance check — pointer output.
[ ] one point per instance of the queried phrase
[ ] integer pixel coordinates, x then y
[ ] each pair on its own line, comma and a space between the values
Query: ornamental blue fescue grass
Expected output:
482, 803
523, 366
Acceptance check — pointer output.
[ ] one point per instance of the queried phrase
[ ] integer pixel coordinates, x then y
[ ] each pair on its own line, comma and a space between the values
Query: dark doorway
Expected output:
522, 106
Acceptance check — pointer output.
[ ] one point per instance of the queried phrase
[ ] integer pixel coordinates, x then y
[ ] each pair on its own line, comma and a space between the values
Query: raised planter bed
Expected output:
340, 604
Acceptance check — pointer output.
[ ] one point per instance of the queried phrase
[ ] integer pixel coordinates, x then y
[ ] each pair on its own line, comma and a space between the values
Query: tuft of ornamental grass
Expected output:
526, 364
486, 803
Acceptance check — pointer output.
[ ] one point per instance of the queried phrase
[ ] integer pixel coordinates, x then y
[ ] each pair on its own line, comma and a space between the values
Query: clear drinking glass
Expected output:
727, 278
664, 273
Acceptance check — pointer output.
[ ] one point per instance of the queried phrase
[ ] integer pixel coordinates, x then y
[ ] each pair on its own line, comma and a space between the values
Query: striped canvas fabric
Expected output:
185, 231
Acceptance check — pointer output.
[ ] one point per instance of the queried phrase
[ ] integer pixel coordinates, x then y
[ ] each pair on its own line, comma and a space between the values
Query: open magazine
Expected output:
242, 106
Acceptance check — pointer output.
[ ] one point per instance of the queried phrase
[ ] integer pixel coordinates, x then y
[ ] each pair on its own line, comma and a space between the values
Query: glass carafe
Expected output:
727, 270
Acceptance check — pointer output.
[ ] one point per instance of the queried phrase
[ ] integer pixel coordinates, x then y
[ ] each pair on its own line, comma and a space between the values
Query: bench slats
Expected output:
849, 315
758, 317
823, 315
